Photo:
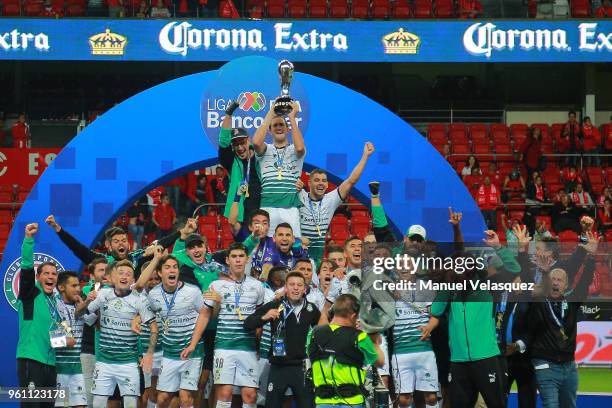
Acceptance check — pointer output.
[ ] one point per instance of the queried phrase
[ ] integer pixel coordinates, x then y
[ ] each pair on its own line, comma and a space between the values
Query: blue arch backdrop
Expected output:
170, 129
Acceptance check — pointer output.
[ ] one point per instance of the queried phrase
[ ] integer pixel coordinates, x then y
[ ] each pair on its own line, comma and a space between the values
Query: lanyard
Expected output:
248, 171
66, 312
288, 309
170, 304
237, 293
280, 159
260, 254
316, 220
52, 304
501, 306
554, 315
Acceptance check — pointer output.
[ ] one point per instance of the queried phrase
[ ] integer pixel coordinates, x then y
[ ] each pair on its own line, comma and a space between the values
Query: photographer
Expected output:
291, 317
338, 352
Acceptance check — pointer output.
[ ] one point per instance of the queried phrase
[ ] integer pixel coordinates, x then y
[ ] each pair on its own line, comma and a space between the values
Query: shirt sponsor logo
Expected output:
13, 273
16, 40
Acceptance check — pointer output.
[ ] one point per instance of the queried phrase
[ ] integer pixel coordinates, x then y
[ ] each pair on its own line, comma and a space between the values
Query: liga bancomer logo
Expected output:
12, 275
249, 102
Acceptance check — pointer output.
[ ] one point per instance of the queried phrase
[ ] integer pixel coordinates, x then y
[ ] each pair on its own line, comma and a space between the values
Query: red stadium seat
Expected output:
436, 134
275, 8
339, 233
445, 9
596, 176
519, 132
423, 9
360, 9
544, 128
546, 219
360, 230
457, 133
479, 133
338, 9
380, 9
502, 148
210, 232
296, 8
483, 149
75, 10
402, 10
11, 8
317, 8
556, 130
33, 8
568, 236
499, 133
580, 8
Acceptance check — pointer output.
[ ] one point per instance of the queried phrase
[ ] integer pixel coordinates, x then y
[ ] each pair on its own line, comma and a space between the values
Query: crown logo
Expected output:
107, 43
401, 42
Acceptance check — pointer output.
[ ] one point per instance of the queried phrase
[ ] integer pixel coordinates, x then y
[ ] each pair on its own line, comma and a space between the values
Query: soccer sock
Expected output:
99, 401
130, 401
224, 404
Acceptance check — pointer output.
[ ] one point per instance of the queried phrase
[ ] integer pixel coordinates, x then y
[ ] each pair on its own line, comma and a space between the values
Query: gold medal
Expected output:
166, 326
280, 174
246, 190
66, 327
281, 308
318, 230
498, 323
240, 316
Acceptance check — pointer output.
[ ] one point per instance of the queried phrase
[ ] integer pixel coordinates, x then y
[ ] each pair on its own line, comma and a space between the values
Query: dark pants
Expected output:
32, 373
483, 376
490, 217
521, 370
283, 377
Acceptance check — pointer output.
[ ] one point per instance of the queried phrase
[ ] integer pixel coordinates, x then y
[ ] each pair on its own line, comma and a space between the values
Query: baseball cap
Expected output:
239, 133
193, 239
416, 230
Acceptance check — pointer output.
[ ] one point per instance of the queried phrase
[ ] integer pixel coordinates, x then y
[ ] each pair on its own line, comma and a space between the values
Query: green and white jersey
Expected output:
265, 342
319, 213
247, 295
409, 316
68, 359
178, 312
118, 343
275, 192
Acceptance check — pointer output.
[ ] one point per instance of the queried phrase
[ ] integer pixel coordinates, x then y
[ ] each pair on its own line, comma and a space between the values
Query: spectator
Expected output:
446, 152
143, 12
472, 182
582, 198
560, 193
471, 162
511, 238
494, 175
605, 194
536, 193
154, 196
605, 216
565, 216
209, 8
160, 10
469, 8
591, 140
199, 194
514, 186
488, 198
22, 138
50, 10
571, 178
96, 8
531, 152
115, 8
541, 231
137, 218
164, 217
605, 10
569, 142
220, 185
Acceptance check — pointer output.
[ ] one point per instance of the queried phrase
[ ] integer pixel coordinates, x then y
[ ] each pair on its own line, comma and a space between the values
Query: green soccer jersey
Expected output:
118, 343
409, 316
178, 312
280, 192
238, 301
265, 342
68, 359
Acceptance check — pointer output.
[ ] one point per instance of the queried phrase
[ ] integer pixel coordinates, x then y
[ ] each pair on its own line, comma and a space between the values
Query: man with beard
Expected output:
118, 354
237, 156
38, 319
318, 207
116, 242
281, 166
283, 253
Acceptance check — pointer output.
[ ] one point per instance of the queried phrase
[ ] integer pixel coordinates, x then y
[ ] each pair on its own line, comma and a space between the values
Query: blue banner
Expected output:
307, 40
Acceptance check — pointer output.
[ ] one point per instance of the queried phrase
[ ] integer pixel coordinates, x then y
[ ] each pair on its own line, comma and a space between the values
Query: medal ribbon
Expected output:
245, 180
316, 220
280, 159
288, 309
55, 315
169, 305
554, 315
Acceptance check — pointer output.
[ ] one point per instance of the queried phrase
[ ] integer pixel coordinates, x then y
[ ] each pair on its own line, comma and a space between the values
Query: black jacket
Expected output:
295, 332
520, 330
546, 341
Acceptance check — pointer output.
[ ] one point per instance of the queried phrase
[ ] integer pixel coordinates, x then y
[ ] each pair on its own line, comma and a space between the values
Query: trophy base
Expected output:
282, 106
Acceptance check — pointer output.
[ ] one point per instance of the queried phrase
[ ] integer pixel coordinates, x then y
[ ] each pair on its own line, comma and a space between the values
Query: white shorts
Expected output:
107, 376
263, 371
415, 371
157, 358
280, 215
384, 346
236, 367
74, 384
179, 374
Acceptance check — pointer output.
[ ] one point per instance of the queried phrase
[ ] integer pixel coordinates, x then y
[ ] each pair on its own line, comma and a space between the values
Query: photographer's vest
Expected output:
337, 349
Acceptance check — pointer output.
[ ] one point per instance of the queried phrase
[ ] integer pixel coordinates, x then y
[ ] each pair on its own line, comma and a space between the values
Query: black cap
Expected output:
193, 239
239, 133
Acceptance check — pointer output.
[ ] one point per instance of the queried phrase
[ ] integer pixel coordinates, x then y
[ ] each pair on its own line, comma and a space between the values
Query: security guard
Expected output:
338, 352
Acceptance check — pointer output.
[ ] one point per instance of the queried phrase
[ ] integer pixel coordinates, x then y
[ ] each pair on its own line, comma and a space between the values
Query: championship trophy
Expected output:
282, 104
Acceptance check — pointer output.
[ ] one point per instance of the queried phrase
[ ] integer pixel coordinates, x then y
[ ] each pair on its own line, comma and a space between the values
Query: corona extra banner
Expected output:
307, 40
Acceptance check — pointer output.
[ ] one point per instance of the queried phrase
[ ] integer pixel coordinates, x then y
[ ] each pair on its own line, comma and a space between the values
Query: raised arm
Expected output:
79, 250
27, 282
347, 184
259, 140
380, 225
296, 133
158, 252
454, 218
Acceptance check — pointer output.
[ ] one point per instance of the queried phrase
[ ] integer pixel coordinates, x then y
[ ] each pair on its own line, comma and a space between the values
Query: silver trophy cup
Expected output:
282, 104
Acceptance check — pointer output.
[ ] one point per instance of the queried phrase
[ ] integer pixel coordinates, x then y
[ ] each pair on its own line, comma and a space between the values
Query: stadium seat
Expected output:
546, 219
340, 219
483, 151
338, 8
75, 10
360, 230
568, 236
360, 9
339, 232
275, 8
401, 9
519, 132
502, 148
210, 232
499, 133
423, 9
596, 176
436, 134
457, 133
445, 9
479, 133
33, 8
11, 8
556, 130
317, 8
296, 8
580, 8
6, 217
380, 9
